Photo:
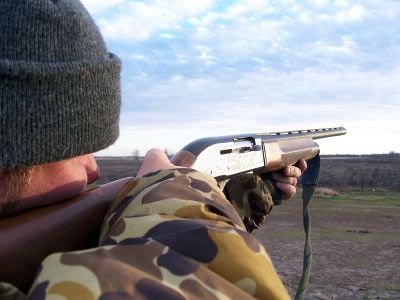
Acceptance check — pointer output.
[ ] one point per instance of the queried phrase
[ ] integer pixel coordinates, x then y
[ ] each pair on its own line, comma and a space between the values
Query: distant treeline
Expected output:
365, 172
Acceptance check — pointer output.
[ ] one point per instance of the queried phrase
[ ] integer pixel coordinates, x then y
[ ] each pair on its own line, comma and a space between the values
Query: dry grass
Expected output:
355, 241
326, 192
320, 192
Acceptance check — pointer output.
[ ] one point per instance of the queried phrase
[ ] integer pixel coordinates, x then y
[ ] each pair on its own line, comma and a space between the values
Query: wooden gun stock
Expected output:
29, 237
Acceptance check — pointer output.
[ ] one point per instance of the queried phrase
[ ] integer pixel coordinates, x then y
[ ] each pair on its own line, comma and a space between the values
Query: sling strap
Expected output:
310, 180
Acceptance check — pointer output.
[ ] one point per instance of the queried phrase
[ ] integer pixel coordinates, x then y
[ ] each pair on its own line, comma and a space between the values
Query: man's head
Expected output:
59, 86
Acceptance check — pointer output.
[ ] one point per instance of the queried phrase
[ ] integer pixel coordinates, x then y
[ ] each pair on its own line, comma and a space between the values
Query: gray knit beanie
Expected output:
59, 86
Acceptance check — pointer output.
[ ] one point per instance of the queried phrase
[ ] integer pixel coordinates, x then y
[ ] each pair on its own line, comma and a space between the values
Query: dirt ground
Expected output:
355, 240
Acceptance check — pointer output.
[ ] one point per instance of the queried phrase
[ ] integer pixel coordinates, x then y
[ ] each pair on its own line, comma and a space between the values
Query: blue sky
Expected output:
193, 69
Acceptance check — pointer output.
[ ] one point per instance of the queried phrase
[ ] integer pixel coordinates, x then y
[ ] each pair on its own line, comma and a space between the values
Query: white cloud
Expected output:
347, 46
197, 69
247, 38
210, 18
99, 6
202, 34
166, 36
284, 31
138, 21
194, 21
239, 8
235, 11
305, 18
206, 58
354, 14
184, 8
320, 3
367, 104
341, 3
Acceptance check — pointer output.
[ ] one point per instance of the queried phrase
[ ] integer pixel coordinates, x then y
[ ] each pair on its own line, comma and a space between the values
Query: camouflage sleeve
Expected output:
168, 235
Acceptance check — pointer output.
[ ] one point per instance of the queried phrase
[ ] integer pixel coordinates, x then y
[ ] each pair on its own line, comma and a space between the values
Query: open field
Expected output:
355, 240
355, 236
113, 168
364, 172
360, 172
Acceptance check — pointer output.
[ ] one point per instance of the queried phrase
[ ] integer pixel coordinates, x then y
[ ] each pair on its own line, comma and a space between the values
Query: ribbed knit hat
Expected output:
59, 86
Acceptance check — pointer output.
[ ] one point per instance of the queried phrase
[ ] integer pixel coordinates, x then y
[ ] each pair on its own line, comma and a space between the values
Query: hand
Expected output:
155, 160
286, 180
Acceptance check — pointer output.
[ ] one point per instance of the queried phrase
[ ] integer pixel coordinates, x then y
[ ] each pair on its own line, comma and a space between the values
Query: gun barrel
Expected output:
310, 133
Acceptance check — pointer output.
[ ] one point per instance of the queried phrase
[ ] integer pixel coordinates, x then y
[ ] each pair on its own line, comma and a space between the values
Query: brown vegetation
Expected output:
326, 192
366, 172
113, 168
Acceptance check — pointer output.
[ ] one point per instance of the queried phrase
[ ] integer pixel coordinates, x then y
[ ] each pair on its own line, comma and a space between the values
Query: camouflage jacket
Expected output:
168, 235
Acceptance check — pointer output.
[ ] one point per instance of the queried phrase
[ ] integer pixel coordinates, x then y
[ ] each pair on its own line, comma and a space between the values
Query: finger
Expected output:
154, 160
302, 165
288, 190
279, 177
292, 171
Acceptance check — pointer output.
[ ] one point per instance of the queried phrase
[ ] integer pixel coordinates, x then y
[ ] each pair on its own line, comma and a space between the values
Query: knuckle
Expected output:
292, 191
297, 172
304, 166
291, 170
287, 171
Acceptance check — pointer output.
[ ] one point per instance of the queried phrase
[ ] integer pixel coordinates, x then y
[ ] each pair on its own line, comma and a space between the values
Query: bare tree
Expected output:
135, 154
167, 153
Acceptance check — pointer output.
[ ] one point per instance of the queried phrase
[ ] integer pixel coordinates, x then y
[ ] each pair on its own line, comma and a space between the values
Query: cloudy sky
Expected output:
193, 69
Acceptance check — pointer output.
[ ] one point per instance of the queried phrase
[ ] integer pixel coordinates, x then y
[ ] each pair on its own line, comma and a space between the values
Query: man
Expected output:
169, 234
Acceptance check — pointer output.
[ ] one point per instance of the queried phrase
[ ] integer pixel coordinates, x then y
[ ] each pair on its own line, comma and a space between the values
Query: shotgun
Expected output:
226, 156
29, 237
